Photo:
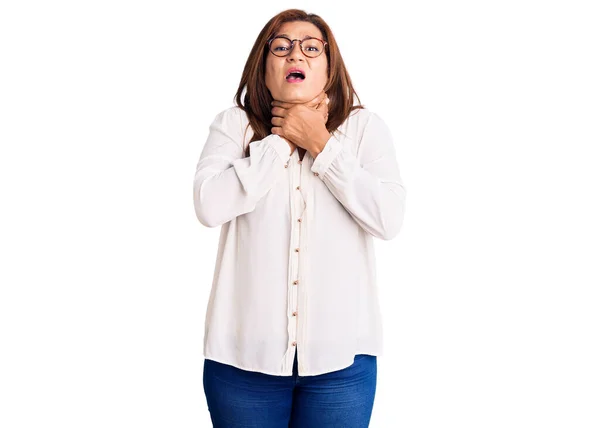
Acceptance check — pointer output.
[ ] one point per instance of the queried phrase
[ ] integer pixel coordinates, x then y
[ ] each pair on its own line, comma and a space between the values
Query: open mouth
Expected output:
295, 76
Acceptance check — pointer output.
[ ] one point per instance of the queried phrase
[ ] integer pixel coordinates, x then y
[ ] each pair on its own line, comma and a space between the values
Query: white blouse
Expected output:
295, 267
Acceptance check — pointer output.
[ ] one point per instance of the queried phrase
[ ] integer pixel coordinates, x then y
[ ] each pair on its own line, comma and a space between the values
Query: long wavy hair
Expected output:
257, 98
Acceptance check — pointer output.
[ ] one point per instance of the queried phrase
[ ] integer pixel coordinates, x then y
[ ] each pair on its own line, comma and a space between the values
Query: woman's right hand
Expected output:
320, 103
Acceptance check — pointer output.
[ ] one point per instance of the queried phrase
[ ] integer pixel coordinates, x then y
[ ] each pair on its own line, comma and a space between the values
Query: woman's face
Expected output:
315, 69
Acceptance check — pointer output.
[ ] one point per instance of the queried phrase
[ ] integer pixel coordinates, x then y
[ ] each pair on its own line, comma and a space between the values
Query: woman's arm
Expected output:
227, 185
370, 188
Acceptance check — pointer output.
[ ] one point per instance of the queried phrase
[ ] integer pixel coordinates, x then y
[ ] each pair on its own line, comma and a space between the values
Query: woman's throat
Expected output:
301, 152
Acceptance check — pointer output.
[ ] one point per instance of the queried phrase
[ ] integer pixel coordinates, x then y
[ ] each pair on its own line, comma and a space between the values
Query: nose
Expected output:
296, 53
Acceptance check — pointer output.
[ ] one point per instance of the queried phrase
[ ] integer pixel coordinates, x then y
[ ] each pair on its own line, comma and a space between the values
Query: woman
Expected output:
301, 180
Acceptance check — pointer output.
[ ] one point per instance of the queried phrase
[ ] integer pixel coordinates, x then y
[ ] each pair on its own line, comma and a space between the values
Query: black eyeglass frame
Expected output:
293, 42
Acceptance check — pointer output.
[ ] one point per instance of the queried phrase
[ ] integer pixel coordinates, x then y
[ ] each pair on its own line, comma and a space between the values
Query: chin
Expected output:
296, 98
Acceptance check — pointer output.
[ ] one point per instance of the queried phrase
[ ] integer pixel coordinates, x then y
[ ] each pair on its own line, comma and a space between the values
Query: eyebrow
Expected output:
289, 37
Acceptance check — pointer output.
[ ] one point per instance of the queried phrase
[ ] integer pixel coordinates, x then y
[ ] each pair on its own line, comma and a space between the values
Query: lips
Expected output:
295, 74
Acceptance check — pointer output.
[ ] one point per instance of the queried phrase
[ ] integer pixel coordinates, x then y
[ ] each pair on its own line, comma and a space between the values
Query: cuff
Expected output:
323, 160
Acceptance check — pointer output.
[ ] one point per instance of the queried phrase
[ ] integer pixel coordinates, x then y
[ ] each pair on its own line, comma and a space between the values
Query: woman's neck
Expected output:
301, 152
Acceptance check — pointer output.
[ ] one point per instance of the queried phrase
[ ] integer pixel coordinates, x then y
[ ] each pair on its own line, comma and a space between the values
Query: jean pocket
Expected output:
358, 357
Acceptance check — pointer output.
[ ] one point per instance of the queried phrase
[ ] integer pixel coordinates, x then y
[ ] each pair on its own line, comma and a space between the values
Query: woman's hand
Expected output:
302, 124
320, 102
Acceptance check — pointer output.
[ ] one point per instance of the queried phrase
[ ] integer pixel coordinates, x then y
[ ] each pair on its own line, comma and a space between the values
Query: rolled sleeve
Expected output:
332, 148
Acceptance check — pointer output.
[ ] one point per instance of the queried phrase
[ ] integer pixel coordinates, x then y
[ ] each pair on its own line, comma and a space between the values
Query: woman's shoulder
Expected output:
233, 113
361, 118
232, 120
365, 115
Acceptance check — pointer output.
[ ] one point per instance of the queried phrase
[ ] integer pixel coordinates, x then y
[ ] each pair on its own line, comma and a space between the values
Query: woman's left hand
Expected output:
303, 125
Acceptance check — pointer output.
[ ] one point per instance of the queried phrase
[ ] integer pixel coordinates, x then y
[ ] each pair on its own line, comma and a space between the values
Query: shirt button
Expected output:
316, 174
295, 313
300, 220
297, 250
298, 188
296, 282
286, 166
294, 343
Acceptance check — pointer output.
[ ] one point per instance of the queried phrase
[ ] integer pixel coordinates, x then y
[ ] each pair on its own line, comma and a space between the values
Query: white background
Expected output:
490, 294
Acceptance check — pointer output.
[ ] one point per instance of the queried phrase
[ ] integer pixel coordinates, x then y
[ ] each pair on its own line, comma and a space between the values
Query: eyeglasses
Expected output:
283, 46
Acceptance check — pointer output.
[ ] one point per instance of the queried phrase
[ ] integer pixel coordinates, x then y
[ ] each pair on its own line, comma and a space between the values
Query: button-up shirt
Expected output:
295, 265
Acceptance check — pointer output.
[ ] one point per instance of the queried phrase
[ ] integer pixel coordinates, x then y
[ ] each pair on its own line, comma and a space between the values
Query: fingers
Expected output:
277, 121
325, 103
324, 96
317, 100
279, 111
323, 108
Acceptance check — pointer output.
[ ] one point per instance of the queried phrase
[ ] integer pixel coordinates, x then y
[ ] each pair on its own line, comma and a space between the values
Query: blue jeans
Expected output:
239, 398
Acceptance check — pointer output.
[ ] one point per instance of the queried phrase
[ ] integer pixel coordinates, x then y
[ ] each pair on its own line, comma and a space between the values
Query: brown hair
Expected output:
257, 100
